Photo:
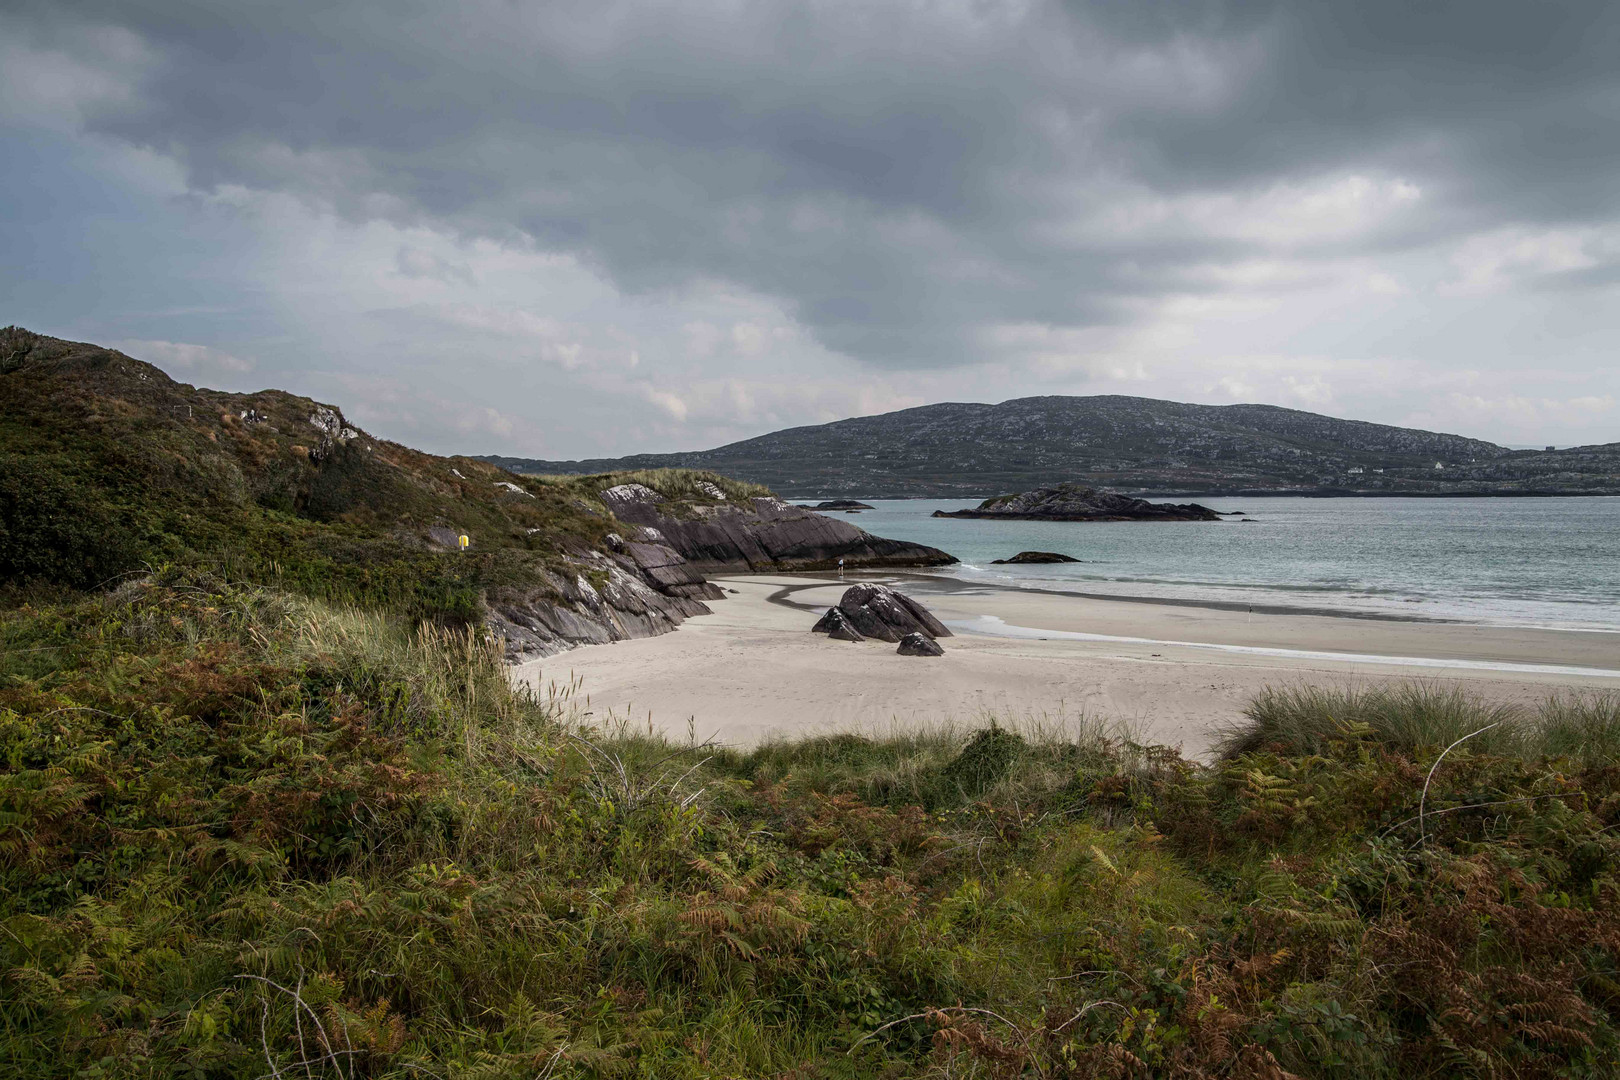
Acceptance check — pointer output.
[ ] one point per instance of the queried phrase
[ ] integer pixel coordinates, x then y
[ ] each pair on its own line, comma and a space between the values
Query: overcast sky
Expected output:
567, 229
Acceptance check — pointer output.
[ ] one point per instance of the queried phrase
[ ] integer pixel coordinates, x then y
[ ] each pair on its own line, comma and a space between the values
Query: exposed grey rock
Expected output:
1075, 502
635, 590
622, 603
671, 573
444, 537
880, 612
918, 645
763, 534
630, 493
836, 625
1035, 557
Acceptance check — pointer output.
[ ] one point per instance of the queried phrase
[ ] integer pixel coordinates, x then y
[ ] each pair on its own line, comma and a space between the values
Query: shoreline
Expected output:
947, 585
1261, 493
942, 584
1172, 673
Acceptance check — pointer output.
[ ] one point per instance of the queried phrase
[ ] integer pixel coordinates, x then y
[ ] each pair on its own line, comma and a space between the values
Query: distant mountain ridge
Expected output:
1139, 445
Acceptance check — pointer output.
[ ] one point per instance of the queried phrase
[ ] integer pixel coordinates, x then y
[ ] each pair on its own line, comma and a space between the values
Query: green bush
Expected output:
52, 529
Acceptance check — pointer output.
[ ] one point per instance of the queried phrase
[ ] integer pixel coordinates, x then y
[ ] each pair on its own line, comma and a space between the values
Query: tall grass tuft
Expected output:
1420, 719
1411, 717
1582, 726
940, 766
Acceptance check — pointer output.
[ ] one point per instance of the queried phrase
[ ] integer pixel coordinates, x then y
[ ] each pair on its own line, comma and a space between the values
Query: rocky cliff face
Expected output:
762, 533
635, 590
1073, 502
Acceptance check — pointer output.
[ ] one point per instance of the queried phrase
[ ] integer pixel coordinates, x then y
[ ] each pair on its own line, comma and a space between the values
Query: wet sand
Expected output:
1172, 672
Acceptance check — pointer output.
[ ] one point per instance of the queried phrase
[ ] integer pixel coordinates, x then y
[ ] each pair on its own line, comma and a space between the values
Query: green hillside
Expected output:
108, 466
1139, 445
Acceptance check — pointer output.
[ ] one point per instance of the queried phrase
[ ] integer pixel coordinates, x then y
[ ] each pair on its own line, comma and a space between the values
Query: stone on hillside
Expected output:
915, 644
880, 612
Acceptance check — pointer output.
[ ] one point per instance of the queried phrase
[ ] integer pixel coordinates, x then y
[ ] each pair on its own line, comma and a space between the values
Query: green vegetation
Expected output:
269, 807
109, 467
246, 834
1410, 717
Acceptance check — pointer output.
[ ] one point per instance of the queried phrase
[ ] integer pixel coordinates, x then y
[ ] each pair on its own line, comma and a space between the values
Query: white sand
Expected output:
753, 670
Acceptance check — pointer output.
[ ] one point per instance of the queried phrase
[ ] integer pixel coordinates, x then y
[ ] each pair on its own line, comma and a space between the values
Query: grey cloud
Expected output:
902, 176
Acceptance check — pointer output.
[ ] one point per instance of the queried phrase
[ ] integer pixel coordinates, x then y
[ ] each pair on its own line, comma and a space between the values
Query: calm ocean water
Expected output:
1521, 562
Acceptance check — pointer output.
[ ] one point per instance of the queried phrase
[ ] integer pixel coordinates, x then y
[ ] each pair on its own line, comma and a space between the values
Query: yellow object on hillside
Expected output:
462, 541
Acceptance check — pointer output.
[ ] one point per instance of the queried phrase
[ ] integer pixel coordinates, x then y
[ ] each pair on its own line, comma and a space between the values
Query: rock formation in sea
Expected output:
1034, 557
760, 534
1076, 502
837, 504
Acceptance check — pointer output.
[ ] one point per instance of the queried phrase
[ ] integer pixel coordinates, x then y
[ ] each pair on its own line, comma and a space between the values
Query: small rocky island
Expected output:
1076, 502
838, 504
1034, 557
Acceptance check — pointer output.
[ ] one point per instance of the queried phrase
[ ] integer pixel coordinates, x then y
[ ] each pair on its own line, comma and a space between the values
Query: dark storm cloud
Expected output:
902, 176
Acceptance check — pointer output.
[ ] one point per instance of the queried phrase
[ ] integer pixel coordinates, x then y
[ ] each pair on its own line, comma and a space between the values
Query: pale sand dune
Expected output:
752, 670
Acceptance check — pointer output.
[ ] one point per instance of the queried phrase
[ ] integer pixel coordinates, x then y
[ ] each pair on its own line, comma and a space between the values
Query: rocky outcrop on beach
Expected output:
836, 625
918, 645
1075, 502
760, 534
878, 611
633, 590
1034, 557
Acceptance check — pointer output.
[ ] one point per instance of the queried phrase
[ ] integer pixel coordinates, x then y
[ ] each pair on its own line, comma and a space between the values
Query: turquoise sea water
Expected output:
1521, 562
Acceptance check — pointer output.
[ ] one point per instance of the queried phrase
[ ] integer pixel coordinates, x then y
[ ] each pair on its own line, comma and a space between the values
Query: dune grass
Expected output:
245, 834
1423, 718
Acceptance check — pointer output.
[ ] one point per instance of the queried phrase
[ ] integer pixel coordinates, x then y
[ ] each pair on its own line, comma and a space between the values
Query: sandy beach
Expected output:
1172, 672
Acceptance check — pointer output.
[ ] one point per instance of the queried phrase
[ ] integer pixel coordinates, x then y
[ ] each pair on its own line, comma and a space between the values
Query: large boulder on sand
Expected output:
879, 612
917, 645
836, 625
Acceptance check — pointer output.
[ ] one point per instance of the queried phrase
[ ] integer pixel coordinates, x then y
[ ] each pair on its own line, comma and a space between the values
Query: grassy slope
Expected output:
108, 466
243, 830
